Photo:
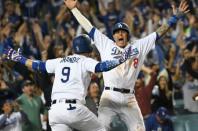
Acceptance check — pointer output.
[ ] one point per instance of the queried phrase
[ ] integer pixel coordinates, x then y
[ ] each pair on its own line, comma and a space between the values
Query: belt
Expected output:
71, 101
120, 90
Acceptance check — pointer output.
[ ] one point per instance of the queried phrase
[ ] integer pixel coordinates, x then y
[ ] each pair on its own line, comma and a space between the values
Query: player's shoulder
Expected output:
89, 60
56, 60
148, 37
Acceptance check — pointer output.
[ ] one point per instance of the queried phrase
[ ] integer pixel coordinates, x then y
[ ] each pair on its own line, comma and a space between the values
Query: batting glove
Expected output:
13, 55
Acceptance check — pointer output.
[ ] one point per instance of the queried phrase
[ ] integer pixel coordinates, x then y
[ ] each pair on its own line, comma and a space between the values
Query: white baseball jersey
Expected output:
124, 75
13, 122
72, 76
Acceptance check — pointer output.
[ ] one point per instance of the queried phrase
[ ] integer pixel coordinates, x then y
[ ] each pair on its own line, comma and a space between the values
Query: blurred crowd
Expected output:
44, 29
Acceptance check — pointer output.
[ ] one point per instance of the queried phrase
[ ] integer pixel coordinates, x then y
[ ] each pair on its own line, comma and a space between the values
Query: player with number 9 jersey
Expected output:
72, 77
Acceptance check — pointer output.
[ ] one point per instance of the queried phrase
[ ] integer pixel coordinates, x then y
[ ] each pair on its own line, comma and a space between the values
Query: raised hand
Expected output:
70, 3
13, 55
182, 9
178, 13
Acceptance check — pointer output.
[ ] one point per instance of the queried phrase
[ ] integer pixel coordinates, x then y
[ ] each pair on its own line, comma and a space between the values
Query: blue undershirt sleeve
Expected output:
91, 33
39, 66
36, 64
107, 65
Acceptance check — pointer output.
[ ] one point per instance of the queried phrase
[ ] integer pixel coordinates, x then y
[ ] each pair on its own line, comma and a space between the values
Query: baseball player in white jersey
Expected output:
118, 96
72, 77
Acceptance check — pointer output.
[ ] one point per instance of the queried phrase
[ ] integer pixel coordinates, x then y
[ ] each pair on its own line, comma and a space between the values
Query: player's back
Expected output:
72, 76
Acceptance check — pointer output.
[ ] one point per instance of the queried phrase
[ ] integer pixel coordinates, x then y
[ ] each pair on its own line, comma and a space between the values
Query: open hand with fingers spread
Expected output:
70, 3
12, 54
181, 10
172, 21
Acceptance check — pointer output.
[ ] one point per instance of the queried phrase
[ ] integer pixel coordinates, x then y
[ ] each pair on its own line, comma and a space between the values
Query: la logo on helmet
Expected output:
119, 25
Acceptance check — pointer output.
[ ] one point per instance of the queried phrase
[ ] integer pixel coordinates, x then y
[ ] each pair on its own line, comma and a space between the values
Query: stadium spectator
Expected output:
189, 88
159, 121
10, 120
42, 28
6, 92
143, 92
110, 14
93, 97
162, 95
33, 106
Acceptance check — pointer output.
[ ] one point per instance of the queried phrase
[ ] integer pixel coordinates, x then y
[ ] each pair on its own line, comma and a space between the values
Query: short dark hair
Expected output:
10, 101
27, 83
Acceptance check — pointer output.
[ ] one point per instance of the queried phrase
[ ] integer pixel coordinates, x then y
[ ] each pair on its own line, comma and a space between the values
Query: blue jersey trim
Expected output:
107, 65
157, 36
172, 21
91, 33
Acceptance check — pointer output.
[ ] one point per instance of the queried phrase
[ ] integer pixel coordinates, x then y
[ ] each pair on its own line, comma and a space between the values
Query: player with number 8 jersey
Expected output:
118, 96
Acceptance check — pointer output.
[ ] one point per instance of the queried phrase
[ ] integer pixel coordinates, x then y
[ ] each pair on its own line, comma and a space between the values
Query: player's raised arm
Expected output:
17, 56
177, 14
100, 40
84, 22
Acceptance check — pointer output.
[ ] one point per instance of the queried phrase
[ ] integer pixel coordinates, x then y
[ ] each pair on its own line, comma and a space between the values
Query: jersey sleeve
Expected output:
147, 43
51, 65
100, 40
90, 64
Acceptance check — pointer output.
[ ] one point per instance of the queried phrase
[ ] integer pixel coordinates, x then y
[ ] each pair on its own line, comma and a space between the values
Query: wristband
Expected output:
23, 60
173, 20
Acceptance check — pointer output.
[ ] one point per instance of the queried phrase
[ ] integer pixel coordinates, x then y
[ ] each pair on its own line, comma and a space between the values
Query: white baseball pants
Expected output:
125, 105
63, 118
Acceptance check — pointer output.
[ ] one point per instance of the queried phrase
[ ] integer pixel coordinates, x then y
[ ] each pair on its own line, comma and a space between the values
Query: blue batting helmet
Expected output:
121, 26
82, 44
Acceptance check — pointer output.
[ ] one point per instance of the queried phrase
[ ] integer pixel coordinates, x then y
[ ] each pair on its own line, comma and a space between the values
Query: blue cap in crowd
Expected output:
162, 112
